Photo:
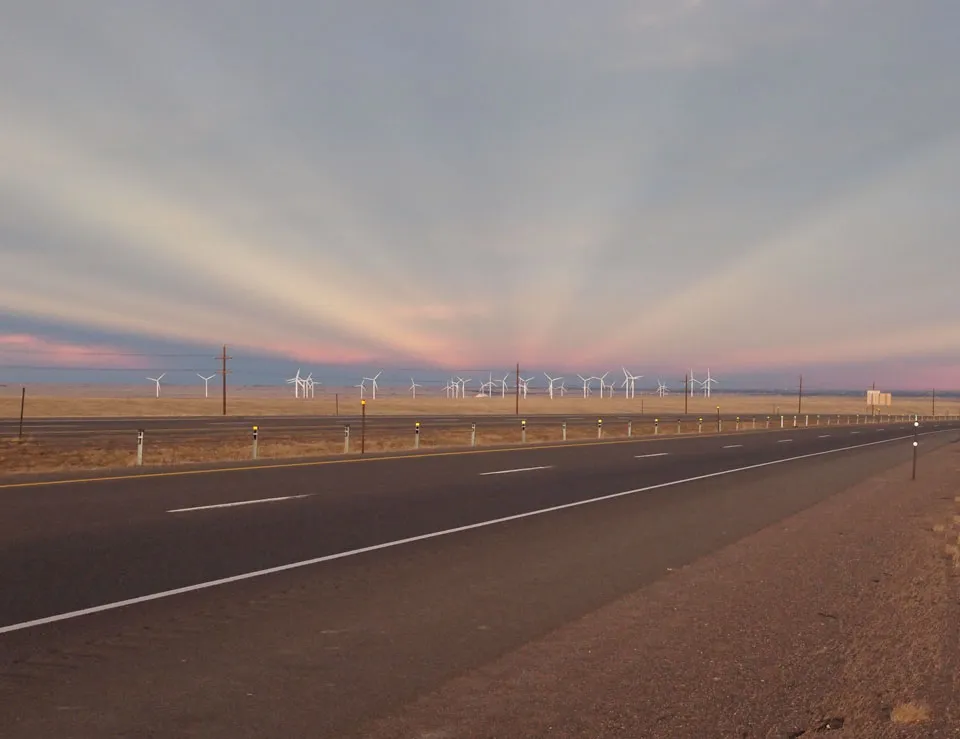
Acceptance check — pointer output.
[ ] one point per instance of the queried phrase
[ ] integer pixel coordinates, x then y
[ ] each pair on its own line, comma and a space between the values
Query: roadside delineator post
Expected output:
346, 438
794, 421
473, 434
523, 431
858, 419
806, 421
599, 428
416, 436
563, 428
656, 426
916, 430
678, 425
253, 454
719, 421
700, 425
139, 447
768, 421
738, 423
781, 421
629, 429
754, 423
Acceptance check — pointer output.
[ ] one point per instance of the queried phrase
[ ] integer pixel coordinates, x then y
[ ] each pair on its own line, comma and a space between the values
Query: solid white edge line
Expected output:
423, 537
519, 469
733, 446
236, 503
647, 456
783, 441
823, 436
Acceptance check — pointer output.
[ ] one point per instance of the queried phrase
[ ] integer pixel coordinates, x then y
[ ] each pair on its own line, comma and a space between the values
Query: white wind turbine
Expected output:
309, 386
362, 387
662, 389
373, 390
157, 380
503, 385
629, 384
707, 383
448, 388
413, 388
604, 385
562, 389
462, 384
524, 382
297, 383
206, 384
586, 385
693, 384
552, 381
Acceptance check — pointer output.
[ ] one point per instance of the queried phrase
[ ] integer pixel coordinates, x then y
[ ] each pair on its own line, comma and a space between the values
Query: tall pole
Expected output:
223, 373
517, 409
933, 409
23, 400
800, 396
686, 393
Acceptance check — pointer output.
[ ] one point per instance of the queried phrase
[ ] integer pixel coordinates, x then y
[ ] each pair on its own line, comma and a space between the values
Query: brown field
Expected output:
47, 454
326, 404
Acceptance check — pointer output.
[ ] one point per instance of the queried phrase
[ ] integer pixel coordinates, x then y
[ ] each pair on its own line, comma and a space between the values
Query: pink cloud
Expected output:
29, 349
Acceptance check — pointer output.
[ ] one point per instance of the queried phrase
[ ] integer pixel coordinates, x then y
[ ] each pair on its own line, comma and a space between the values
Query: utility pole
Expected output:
223, 372
686, 392
933, 409
800, 396
517, 411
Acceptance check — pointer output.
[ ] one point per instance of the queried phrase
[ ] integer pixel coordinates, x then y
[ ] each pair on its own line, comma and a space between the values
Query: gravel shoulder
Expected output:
842, 618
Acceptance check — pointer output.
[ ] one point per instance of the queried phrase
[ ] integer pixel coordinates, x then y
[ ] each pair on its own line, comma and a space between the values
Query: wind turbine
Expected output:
706, 384
562, 389
524, 381
157, 380
629, 384
362, 387
206, 384
586, 385
662, 389
552, 380
603, 384
413, 388
462, 383
374, 381
297, 383
503, 385
308, 387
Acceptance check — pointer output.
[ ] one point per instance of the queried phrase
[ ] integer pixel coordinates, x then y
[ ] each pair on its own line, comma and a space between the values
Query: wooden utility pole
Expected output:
517, 410
800, 396
933, 409
223, 373
686, 392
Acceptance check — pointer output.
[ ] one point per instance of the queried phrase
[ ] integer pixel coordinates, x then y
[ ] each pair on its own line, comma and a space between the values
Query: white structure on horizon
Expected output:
552, 380
309, 387
373, 391
298, 384
363, 387
503, 385
524, 382
586, 385
707, 383
604, 385
629, 384
206, 384
562, 389
157, 380
413, 388
461, 386
662, 389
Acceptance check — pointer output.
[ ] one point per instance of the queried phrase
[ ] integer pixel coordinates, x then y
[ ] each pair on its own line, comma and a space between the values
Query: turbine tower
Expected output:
552, 380
629, 384
662, 389
524, 381
586, 385
206, 384
297, 383
413, 388
707, 383
373, 393
157, 380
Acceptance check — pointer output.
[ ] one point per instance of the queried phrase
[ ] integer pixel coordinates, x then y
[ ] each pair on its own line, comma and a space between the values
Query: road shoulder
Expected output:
843, 614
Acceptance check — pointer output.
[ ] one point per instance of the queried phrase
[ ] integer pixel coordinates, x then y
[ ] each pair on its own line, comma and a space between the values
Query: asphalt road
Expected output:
401, 616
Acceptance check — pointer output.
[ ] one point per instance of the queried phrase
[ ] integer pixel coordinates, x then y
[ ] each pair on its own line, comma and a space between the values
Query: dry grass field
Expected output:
84, 406
47, 454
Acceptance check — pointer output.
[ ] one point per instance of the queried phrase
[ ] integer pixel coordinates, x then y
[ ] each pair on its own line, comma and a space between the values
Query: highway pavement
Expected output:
409, 560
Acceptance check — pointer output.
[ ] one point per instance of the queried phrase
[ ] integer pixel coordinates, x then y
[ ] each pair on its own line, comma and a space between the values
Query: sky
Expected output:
761, 187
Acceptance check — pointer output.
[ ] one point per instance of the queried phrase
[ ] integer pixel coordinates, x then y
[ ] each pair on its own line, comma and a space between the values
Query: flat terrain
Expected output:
697, 586
325, 404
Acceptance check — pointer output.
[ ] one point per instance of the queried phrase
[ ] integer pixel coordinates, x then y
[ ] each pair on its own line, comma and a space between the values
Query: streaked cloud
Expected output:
25, 349
743, 183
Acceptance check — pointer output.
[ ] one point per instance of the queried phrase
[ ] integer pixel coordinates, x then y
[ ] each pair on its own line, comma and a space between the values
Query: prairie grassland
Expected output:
45, 454
52, 406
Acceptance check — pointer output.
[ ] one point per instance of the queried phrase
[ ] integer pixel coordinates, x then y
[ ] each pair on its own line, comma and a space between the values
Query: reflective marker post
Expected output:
254, 454
416, 436
139, 447
346, 439
363, 426
656, 426
599, 428
473, 434
916, 430
523, 431
564, 427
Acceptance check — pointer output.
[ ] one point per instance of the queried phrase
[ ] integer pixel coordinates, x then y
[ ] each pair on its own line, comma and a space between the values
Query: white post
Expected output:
599, 428
564, 427
346, 439
139, 447
416, 436
781, 421
523, 432
473, 434
254, 451
629, 429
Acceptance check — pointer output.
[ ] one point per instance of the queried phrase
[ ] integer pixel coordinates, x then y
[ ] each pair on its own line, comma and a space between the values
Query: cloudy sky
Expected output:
753, 185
